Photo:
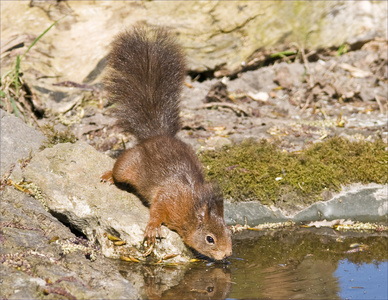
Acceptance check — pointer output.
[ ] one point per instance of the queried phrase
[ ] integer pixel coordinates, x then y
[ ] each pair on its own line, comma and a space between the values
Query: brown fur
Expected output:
147, 69
145, 79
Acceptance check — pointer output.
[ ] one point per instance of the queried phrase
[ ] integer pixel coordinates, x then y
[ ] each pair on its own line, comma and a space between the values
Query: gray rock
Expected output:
252, 213
18, 285
357, 202
364, 203
214, 34
32, 267
68, 176
18, 141
217, 142
58, 99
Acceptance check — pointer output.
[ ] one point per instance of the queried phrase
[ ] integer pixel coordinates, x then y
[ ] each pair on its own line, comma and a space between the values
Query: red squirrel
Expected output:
144, 80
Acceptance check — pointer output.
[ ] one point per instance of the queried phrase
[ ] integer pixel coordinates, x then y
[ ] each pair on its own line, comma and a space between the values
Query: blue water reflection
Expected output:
363, 281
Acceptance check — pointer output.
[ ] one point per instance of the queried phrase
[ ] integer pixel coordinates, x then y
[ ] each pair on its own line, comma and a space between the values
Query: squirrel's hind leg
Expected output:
126, 167
107, 177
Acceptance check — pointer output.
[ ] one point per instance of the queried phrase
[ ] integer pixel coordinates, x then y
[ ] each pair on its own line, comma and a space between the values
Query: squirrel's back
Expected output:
145, 77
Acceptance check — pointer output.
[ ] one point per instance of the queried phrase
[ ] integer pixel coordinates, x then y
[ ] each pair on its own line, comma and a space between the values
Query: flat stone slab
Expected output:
364, 203
18, 141
357, 202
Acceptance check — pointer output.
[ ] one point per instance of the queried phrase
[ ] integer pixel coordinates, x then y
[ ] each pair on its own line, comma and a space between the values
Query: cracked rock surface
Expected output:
33, 265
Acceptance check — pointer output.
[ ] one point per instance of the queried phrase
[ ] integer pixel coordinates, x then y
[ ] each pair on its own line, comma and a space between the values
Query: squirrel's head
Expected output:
211, 237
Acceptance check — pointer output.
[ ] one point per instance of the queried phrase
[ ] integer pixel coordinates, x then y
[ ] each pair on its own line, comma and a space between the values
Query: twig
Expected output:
306, 104
381, 107
4, 178
309, 78
237, 109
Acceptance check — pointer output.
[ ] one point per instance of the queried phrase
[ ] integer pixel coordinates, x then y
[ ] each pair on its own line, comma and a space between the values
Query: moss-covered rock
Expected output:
261, 171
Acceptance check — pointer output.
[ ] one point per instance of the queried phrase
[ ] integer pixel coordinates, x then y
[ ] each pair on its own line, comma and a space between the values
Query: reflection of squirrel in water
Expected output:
146, 75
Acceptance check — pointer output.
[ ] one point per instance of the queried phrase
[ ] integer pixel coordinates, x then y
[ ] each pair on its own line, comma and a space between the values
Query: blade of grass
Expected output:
342, 49
282, 54
15, 109
40, 36
13, 75
16, 76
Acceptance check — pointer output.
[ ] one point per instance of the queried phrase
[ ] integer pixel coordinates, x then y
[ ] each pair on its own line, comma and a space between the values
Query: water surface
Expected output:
298, 263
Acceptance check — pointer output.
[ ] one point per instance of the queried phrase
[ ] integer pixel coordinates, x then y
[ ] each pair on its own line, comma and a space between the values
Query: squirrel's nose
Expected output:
225, 260
227, 254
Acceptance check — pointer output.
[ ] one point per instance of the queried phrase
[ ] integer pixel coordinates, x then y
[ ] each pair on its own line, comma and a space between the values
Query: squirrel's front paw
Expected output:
107, 177
150, 237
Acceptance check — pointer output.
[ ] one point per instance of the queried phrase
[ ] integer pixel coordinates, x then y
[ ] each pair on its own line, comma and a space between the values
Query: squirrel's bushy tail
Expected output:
145, 77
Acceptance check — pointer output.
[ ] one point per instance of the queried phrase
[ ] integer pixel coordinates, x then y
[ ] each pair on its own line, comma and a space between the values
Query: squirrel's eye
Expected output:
209, 239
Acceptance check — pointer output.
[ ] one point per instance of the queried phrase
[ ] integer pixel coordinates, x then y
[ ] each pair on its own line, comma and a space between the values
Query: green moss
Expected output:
261, 171
57, 137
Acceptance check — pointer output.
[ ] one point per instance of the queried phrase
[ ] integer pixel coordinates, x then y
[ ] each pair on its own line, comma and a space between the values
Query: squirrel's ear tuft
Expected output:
203, 213
215, 199
211, 202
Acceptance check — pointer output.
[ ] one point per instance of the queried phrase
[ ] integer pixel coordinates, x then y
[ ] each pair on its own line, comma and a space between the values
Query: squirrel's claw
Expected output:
150, 237
149, 250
